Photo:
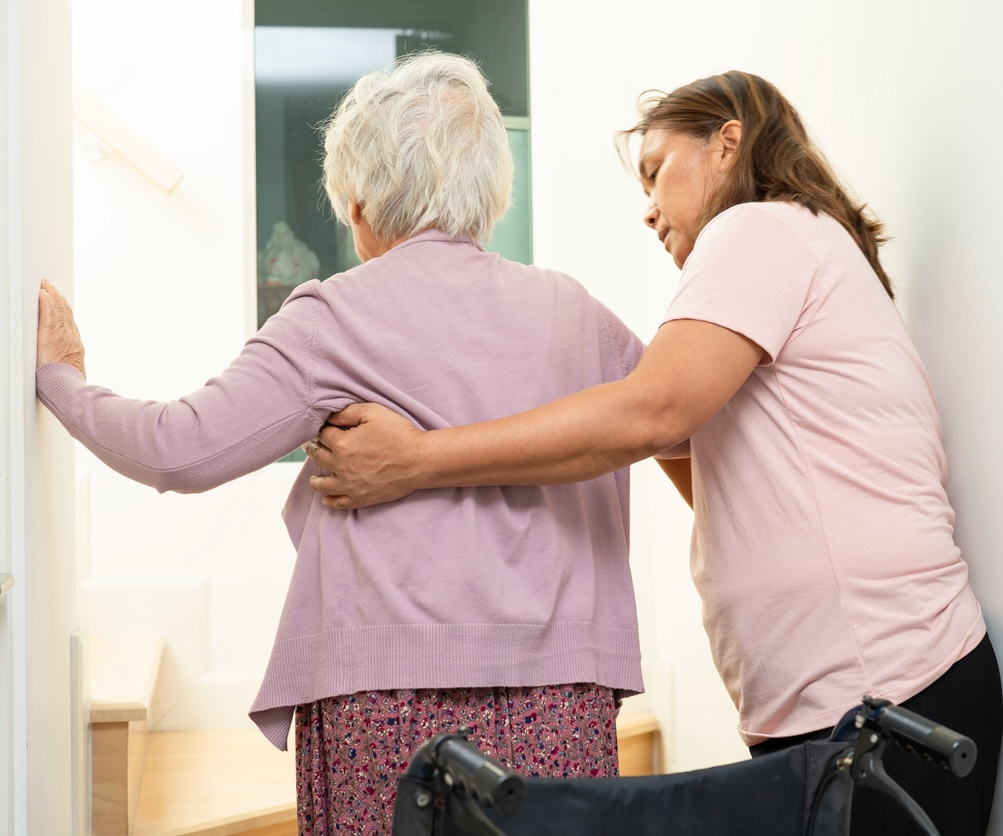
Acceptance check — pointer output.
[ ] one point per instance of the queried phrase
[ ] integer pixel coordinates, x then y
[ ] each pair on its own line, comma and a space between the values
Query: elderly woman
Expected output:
823, 541
509, 610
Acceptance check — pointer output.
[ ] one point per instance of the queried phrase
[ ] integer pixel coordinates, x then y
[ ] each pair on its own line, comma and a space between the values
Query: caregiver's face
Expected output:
679, 174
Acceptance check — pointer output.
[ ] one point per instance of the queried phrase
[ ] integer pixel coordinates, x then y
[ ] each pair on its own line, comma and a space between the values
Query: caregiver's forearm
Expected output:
581, 436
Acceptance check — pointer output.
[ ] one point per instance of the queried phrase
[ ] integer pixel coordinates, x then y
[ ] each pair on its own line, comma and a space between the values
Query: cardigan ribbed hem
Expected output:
388, 656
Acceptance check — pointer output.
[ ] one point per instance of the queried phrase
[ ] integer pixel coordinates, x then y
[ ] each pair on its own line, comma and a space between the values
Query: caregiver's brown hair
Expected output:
775, 159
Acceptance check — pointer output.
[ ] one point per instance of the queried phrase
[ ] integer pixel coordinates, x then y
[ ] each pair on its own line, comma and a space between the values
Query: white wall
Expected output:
165, 301
586, 74
901, 95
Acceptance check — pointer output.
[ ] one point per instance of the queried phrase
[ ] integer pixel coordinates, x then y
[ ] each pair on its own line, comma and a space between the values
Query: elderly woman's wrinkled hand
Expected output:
58, 337
368, 452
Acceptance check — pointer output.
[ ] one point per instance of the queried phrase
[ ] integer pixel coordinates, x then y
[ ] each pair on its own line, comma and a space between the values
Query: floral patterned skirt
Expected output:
351, 750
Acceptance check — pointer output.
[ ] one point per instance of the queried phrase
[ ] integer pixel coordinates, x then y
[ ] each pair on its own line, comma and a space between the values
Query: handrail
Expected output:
6, 582
133, 148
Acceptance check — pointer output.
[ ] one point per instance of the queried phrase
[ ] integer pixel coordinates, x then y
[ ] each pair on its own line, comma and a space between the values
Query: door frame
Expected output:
13, 645
41, 779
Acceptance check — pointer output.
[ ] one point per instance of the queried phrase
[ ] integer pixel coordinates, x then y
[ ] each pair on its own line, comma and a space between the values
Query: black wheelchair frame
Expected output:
451, 787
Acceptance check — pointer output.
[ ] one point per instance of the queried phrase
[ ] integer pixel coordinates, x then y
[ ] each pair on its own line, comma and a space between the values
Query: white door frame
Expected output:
40, 776
13, 656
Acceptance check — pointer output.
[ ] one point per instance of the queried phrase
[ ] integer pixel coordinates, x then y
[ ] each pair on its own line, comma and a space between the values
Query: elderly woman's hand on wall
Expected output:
58, 337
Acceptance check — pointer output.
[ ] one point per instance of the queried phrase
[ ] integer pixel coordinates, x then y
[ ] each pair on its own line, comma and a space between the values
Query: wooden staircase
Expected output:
214, 782
123, 674
170, 783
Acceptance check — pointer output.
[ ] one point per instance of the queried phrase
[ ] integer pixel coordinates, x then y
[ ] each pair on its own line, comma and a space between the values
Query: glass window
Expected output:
307, 54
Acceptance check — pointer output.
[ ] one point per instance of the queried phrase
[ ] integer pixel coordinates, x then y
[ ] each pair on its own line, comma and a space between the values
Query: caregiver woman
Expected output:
823, 542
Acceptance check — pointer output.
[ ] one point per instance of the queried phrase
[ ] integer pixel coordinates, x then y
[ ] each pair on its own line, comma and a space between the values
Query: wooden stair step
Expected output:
123, 675
216, 783
123, 669
638, 740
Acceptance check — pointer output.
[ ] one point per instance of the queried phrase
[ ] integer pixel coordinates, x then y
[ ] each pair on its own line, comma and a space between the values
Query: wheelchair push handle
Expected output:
465, 766
458, 765
945, 747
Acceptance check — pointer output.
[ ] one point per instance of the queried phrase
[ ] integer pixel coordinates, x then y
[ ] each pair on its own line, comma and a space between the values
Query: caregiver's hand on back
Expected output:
368, 451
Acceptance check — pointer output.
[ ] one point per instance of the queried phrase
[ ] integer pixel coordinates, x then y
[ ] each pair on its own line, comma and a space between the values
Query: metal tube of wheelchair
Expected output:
480, 776
953, 750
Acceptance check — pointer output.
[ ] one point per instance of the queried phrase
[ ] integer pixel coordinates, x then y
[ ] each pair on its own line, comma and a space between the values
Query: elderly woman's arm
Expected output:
250, 415
689, 371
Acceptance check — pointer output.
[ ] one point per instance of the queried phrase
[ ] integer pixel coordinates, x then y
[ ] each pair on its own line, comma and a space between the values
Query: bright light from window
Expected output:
307, 55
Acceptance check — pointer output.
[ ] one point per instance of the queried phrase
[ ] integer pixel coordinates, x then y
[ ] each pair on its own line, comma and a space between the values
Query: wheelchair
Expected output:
451, 788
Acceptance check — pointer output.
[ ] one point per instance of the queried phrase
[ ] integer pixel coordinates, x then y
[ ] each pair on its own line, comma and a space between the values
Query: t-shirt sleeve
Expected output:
749, 272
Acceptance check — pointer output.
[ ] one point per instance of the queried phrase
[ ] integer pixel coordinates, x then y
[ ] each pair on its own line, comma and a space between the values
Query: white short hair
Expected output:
421, 146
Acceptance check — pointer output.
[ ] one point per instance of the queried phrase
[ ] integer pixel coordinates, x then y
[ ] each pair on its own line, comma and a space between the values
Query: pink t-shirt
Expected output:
823, 537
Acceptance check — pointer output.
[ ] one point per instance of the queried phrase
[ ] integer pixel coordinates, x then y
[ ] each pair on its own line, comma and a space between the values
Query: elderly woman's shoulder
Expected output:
551, 276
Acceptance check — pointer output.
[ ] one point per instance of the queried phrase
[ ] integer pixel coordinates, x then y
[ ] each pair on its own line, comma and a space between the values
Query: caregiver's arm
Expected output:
689, 371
